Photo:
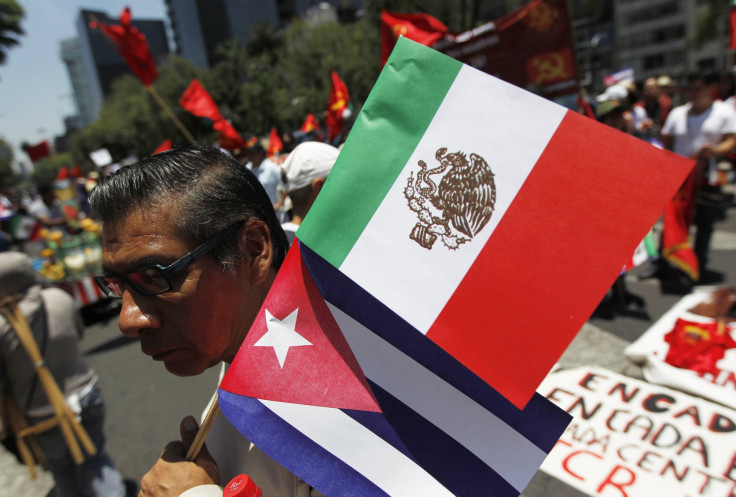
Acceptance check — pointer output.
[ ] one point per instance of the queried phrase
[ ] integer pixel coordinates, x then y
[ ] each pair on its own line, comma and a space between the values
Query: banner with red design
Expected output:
691, 347
532, 47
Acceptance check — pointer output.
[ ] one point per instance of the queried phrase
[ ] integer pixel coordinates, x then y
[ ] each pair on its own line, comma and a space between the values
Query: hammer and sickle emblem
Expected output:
550, 68
542, 18
399, 30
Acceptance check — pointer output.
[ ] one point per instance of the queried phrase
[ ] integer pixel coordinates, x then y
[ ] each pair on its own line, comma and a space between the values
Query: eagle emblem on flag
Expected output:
464, 198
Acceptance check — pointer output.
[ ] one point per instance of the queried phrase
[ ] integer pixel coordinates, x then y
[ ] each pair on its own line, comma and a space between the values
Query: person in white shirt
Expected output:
703, 129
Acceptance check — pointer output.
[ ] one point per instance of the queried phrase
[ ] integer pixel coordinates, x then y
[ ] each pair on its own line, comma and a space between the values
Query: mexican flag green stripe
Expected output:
371, 159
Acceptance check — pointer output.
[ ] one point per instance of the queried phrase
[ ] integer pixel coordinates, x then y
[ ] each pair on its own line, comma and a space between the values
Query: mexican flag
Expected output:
645, 251
489, 219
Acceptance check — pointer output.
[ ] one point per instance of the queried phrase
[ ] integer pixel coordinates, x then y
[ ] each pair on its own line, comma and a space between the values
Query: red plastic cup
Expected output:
241, 486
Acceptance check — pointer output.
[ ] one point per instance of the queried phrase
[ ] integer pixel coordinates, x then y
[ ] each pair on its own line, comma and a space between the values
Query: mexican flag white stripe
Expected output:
505, 294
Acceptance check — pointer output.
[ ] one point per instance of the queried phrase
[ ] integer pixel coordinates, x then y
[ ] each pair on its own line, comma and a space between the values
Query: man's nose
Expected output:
134, 321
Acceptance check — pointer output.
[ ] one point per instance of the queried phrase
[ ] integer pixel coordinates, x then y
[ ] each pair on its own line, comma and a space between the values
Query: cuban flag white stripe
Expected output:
498, 445
360, 448
507, 139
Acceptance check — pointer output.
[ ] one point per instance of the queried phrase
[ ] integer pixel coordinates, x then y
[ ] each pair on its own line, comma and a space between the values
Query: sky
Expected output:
35, 92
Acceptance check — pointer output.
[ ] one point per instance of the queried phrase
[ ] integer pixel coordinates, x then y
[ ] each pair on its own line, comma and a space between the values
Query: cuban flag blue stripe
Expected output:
295, 451
344, 294
439, 454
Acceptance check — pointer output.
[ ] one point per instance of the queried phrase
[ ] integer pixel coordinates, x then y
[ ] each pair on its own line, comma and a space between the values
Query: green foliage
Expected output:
11, 14
132, 122
710, 22
8, 176
46, 169
311, 54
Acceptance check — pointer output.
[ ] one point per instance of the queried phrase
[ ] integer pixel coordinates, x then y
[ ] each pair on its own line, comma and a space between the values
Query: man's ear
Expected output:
317, 184
257, 249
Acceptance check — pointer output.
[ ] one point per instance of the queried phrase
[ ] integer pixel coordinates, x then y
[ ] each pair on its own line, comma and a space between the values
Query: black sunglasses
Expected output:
156, 279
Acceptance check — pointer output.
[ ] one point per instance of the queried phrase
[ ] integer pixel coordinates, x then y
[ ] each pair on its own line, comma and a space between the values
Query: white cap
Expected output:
307, 162
613, 92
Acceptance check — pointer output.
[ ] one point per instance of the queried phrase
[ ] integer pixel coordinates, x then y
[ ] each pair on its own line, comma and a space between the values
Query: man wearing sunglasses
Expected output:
191, 246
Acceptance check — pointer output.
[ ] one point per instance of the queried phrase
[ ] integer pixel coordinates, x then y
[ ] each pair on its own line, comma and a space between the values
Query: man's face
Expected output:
202, 320
651, 90
699, 93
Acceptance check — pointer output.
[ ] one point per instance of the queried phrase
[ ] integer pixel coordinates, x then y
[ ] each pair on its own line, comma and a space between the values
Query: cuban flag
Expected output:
490, 219
351, 399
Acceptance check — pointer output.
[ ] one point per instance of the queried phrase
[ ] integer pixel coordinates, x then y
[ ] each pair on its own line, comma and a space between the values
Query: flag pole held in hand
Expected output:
198, 442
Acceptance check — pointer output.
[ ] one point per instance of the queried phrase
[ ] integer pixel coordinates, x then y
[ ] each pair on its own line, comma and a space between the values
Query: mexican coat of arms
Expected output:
456, 209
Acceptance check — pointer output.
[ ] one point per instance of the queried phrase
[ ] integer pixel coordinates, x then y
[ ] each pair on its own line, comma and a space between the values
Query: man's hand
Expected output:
706, 152
172, 474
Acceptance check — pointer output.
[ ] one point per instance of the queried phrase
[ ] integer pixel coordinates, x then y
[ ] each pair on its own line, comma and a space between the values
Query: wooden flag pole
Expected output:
209, 419
170, 113
63, 416
155, 95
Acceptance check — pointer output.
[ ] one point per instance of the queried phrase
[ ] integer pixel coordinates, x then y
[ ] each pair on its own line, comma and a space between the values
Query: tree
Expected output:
131, 122
310, 55
710, 22
46, 169
11, 14
8, 177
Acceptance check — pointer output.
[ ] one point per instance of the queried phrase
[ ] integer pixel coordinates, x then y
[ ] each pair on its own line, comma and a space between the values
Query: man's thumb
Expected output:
188, 429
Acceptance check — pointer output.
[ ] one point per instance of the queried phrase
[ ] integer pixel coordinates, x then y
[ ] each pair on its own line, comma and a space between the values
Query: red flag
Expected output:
132, 45
732, 27
698, 346
310, 124
585, 107
337, 104
676, 247
531, 47
165, 145
63, 173
275, 145
227, 137
38, 151
196, 100
421, 28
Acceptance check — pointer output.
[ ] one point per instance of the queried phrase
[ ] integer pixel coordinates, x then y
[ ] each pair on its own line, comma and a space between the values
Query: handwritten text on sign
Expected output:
630, 438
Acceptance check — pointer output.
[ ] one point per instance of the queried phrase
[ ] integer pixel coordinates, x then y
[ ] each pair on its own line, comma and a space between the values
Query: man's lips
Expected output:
164, 354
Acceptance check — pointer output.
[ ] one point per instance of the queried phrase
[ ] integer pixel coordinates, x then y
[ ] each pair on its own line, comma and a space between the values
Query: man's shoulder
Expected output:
724, 107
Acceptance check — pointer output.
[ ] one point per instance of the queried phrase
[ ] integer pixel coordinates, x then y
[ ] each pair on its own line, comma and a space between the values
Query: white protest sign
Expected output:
629, 438
101, 157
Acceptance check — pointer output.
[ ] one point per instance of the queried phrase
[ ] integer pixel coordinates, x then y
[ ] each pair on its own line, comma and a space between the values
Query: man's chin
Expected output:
180, 368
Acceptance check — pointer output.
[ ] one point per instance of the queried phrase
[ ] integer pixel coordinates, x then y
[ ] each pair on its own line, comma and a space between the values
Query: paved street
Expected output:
145, 403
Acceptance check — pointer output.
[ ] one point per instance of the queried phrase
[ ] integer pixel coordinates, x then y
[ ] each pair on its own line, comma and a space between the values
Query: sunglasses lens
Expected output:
110, 285
148, 281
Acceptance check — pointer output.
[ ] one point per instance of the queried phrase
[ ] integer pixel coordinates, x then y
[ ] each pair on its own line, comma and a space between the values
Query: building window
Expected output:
653, 61
652, 12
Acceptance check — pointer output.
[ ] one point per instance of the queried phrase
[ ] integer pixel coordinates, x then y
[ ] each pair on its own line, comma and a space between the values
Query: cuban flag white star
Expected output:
281, 335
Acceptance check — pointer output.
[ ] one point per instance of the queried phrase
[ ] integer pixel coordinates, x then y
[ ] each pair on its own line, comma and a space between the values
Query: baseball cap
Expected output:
604, 108
307, 162
664, 80
613, 92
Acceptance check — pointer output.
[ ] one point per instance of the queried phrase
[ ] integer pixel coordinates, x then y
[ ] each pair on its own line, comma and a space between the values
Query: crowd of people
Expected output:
696, 120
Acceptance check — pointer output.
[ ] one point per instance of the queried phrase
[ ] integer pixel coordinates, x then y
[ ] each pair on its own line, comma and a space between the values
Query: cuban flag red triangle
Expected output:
295, 351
